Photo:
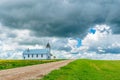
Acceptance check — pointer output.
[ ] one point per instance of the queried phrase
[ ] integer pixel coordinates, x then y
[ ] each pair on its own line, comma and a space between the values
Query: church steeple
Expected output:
48, 45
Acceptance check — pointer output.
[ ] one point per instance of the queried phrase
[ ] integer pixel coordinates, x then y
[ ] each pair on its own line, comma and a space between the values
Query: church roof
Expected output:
36, 51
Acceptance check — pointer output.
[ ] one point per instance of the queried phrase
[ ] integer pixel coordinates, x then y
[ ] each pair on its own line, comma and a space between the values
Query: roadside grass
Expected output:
84, 69
7, 64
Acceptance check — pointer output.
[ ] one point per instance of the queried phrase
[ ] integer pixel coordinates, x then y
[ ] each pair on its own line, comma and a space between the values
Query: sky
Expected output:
74, 28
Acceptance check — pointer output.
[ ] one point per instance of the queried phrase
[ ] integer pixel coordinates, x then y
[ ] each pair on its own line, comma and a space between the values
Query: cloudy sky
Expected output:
74, 28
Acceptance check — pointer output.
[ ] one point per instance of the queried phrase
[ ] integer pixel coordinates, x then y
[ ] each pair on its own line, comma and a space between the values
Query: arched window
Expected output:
32, 55
36, 55
41, 55
28, 55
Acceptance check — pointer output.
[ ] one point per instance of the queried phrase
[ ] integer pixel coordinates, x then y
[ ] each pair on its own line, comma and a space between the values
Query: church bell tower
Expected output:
48, 47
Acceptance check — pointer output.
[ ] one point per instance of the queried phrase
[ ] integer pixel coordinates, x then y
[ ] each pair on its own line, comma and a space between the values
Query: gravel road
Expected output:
31, 72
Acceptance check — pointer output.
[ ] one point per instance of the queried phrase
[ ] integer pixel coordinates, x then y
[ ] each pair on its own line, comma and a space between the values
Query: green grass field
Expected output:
7, 64
87, 70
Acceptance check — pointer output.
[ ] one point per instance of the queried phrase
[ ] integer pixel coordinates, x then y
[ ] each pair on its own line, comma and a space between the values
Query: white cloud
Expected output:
103, 38
94, 55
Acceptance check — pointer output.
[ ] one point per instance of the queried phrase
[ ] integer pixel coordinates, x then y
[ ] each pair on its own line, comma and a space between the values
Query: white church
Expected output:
38, 53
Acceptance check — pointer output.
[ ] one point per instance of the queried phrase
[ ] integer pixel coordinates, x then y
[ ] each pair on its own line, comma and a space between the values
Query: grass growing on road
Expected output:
7, 64
87, 70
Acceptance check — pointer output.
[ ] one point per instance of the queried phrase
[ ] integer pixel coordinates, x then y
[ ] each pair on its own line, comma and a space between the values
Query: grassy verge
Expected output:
87, 70
7, 64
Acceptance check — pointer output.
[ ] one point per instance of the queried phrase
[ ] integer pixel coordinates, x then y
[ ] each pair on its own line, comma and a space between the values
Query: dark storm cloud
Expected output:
107, 50
61, 18
11, 35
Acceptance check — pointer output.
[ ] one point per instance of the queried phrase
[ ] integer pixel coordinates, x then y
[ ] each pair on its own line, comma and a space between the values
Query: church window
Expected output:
36, 55
32, 55
41, 55
28, 55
